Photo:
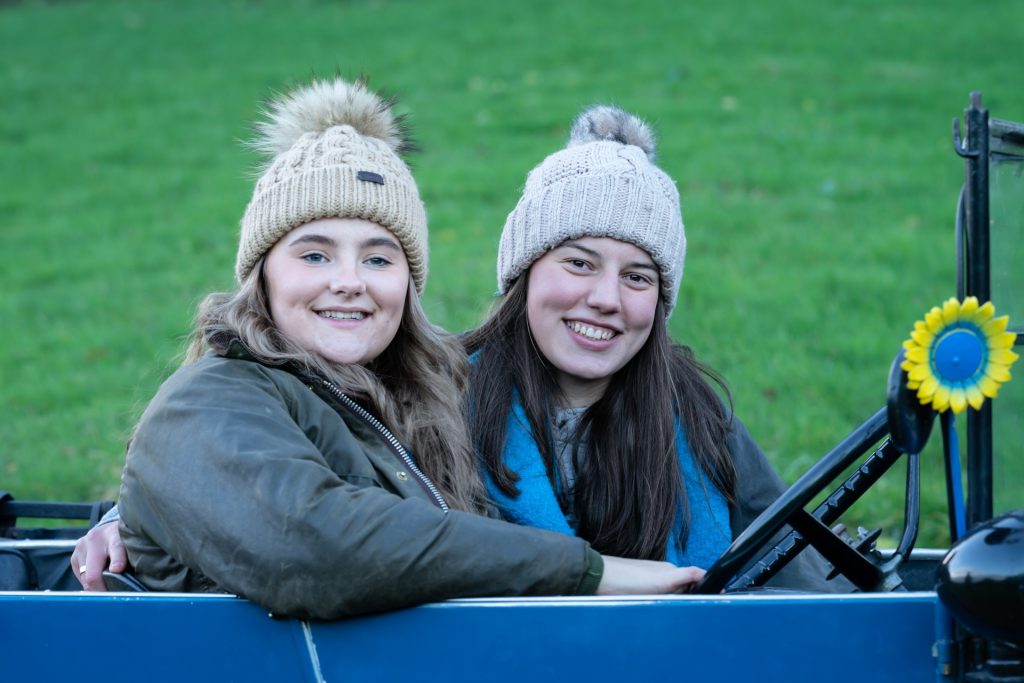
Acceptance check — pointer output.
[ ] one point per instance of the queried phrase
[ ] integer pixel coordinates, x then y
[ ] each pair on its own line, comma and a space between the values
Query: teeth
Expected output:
590, 332
342, 315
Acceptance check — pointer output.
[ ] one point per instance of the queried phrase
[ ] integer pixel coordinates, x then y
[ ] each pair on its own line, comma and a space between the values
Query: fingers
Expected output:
688, 578
94, 551
94, 560
87, 565
116, 551
623, 576
92, 578
78, 560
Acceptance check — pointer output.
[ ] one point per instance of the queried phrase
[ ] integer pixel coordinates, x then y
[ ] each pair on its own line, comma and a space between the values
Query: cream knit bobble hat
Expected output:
333, 152
603, 184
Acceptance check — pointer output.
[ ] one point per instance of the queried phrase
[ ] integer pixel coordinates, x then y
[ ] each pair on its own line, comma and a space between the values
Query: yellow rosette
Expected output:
959, 355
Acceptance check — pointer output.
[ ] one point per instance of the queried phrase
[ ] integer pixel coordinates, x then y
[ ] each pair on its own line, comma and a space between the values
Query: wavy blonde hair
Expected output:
416, 386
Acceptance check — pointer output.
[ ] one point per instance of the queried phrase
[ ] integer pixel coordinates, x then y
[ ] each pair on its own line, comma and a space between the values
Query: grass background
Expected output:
810, 141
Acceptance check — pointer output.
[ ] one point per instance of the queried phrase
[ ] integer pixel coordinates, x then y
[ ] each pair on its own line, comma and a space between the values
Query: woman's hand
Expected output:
629, 577
93, 552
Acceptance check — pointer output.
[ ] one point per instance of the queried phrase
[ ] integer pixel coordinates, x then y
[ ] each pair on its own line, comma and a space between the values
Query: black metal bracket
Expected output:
958, 144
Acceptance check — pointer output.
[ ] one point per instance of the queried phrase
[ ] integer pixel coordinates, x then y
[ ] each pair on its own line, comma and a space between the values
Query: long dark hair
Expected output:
629, 488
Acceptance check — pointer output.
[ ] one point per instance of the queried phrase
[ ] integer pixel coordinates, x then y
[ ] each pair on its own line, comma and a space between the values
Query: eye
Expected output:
314, 257
577, 263
377, 261
639, 280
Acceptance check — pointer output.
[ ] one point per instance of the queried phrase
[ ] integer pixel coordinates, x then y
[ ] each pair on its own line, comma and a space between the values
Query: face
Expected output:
337, 286
590, 304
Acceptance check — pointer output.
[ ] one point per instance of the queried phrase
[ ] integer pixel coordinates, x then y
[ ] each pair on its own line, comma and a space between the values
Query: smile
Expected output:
595, 333
342, 315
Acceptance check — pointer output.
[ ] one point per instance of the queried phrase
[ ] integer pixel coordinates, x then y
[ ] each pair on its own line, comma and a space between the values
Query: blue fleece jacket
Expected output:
537, 503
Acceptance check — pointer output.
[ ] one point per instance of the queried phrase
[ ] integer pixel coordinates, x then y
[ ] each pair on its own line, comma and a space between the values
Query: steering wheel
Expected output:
908, 424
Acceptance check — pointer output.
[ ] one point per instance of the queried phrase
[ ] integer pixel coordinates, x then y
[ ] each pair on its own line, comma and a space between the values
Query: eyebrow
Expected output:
315, 239
381, 242
330, 242
593, 254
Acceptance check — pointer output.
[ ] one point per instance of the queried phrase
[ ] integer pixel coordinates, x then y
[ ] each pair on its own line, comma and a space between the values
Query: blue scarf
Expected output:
537, 503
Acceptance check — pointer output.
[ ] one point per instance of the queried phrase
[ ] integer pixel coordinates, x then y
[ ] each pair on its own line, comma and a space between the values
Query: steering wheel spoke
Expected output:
861, 571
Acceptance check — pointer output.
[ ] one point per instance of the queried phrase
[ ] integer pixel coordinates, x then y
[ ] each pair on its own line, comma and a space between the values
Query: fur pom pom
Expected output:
602, 122
324, 104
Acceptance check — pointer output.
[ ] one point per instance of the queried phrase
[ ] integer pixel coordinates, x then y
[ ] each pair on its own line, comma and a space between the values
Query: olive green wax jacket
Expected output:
245, 479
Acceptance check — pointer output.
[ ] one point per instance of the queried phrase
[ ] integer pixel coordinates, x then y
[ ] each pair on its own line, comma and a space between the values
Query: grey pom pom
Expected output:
602, 122
325, 104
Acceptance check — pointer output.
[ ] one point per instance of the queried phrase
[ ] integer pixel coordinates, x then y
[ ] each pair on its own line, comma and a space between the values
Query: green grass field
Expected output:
810, 141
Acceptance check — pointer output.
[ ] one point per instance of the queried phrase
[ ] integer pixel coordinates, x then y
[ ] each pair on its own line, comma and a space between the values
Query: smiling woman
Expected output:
589, 420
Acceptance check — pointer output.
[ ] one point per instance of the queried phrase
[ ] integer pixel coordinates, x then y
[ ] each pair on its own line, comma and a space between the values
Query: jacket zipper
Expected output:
390, 438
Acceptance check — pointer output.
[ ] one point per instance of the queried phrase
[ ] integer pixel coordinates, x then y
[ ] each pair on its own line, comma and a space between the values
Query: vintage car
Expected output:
916, 614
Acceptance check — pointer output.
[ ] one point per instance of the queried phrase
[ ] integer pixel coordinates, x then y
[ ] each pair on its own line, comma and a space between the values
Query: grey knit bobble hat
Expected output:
603, 184
333, 152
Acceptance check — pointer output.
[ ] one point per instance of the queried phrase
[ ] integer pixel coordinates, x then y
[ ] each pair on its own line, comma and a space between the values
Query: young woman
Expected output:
587, 418
307, 455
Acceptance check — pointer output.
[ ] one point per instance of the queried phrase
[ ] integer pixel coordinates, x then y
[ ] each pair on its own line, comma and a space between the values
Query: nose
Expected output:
604, 294
346, 280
